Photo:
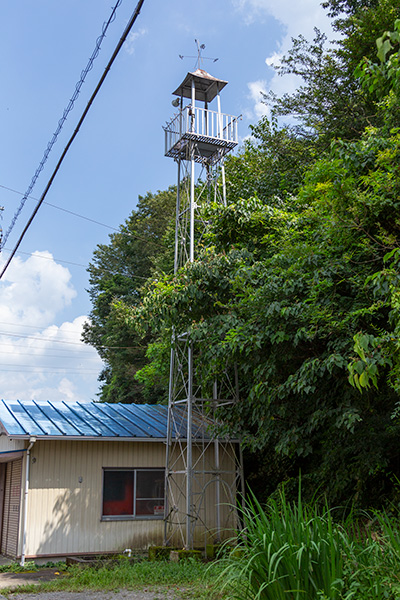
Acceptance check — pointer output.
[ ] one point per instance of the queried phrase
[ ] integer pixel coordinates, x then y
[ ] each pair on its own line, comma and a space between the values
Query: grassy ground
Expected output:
287, 551
188, 579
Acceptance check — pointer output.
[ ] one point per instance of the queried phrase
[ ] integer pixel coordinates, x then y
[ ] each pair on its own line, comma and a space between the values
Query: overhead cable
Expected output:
70, 212
81, 120
68, 262
34, 369
61, 122
52, 340
75, 350
72, 357
34, 326
75, 214
41, 339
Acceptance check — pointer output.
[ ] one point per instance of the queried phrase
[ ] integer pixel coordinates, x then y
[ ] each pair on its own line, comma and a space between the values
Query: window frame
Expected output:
134, 516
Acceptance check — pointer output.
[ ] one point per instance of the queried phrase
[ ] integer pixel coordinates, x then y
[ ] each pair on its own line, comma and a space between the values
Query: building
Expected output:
79, 478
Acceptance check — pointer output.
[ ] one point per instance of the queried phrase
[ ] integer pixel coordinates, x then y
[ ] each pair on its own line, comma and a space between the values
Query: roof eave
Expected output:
82, 438
86, 438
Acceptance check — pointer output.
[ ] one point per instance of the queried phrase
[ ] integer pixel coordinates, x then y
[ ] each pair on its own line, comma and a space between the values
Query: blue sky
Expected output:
117, 156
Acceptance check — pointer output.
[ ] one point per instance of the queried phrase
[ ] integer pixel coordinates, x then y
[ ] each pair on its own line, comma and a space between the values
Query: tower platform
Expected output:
214, 134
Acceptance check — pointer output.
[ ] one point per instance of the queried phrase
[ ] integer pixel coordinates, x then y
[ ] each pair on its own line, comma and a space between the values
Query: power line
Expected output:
70, 212
61, 122
80, 350
44, 369
58, 260
68, 262
32, 326
30, 337
72, 357
75, 214
81, 120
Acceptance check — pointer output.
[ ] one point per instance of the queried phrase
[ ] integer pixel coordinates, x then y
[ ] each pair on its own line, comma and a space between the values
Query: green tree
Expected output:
117, 272
303, 296
298, 285
330, 101
271, 165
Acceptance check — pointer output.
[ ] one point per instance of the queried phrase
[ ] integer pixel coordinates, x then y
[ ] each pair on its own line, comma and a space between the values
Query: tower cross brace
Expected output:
204, 471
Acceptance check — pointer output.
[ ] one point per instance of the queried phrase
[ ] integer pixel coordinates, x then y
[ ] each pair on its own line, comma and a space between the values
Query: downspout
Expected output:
32, 440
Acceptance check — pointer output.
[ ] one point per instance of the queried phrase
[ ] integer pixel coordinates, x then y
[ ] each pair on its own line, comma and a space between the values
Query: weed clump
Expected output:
295, 551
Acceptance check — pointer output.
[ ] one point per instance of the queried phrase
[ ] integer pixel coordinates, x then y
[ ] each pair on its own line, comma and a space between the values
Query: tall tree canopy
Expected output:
117, 272
298, 285
282, 294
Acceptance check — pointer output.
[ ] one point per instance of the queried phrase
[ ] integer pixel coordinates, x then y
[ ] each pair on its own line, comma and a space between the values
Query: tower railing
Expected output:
203, 124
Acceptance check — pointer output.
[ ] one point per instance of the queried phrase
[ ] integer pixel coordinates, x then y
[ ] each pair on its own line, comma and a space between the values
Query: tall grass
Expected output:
378, 558
290, 551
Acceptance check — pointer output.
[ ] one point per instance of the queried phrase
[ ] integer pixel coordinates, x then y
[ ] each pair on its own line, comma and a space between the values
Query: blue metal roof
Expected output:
90, 419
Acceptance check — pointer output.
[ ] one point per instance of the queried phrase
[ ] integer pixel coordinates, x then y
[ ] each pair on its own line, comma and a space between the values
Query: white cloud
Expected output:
35, 290
297, 18
38, 359
257, 89
132, 39
275, 60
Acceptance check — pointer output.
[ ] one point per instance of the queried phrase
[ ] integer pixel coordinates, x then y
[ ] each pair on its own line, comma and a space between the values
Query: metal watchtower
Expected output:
203, 471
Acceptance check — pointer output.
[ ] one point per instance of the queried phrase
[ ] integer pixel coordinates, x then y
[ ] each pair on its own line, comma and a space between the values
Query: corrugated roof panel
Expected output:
91, 419
11, 425
179, 425
68, 411
45, 424
24, 419
86, 411
136, 425
144, 416
107, 420
58, 419
115, 419
160, 416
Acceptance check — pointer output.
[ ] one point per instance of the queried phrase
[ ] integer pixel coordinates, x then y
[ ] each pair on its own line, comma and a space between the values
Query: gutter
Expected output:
81, 438
32, 440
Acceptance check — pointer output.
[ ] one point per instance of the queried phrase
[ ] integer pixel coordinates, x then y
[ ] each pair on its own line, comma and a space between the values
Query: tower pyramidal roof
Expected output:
206, 86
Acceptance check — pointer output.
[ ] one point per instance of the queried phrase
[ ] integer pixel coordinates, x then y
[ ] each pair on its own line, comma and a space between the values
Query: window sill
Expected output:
132, 518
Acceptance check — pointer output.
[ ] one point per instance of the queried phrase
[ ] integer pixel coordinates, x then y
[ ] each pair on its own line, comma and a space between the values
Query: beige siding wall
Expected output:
64, 516
7, 444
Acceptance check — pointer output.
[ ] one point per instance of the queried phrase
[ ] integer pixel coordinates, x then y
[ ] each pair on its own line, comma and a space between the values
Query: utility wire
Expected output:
68, 262
81, 120
58, 367
70, 212
82, 351
61, 122
34, 369
72, 357
33, 326
31, 337
58, 260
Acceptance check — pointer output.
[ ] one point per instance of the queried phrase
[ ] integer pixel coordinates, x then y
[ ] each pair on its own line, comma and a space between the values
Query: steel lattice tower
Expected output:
203, 470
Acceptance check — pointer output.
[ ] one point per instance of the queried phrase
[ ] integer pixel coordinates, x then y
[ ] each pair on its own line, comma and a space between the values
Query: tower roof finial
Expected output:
199, 57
